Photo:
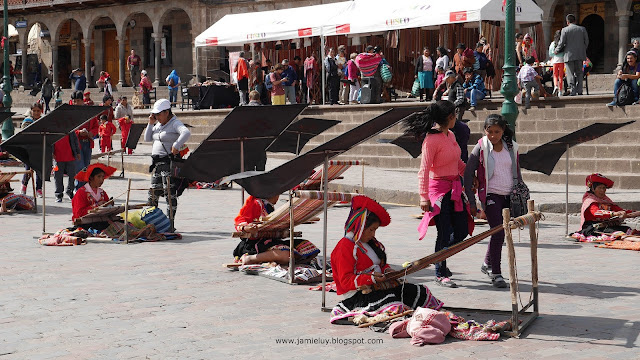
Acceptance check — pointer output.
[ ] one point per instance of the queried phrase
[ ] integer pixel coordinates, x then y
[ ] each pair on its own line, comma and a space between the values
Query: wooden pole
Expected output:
534, 256
566, 200
325, 172
506, 217
362, 183
126, 213
122, 162
292, 262
35, 196
44, 206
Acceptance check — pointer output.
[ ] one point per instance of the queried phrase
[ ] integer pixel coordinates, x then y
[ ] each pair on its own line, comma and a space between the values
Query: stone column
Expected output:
122, 60
54, 62
87, 61
623, 37
25, 46
546, 28
158, 43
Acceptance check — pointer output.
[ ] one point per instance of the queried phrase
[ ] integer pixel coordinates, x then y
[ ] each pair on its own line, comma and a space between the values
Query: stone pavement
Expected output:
173, 300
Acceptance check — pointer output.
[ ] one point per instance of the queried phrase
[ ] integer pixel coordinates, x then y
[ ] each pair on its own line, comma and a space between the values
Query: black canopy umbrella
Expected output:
244, 134
296, 136
33, 145
408, 143
134, 135
291, 173
545, 157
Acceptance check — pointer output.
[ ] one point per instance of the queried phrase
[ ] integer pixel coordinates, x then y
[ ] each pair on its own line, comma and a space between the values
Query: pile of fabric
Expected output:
428, 326
216, 185
302, 273
579, 237
629, 243
66, 237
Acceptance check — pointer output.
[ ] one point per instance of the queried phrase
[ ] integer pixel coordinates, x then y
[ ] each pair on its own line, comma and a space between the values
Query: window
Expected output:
150, 45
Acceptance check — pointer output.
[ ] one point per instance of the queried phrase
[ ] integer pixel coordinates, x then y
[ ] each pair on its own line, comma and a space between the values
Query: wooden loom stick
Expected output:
386, 319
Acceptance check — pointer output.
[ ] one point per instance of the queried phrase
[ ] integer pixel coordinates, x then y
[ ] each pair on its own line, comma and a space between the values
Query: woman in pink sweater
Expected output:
441, 194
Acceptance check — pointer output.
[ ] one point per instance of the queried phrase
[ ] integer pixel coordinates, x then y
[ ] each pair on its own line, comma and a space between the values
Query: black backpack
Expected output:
625, 95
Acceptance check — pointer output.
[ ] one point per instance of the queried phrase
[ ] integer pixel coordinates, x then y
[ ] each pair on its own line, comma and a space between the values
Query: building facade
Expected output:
100, 34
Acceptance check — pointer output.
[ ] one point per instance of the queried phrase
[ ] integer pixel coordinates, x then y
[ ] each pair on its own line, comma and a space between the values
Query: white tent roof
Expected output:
369, 16
273, 25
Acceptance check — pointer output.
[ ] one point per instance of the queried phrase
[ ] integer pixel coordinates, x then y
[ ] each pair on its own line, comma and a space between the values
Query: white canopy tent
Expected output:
273, 25
370, 16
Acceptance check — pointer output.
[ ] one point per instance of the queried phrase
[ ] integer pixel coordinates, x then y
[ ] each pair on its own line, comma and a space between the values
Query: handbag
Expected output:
385, 73
415, 90
520, 191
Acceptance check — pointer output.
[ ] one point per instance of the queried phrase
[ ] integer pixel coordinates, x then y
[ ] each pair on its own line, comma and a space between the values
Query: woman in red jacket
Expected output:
360, 260
257, 248
91, 195
597, 207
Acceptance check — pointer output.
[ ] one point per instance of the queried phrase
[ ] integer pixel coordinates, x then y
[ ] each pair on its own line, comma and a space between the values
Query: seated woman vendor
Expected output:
260, 248
91, 195
360, 260
598, 208
11, 201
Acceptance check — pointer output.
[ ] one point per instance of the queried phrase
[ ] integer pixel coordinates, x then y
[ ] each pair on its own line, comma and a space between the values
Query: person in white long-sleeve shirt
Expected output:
168, 135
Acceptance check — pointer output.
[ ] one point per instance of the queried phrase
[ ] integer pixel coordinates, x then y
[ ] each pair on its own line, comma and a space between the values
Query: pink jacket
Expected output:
438, 188
426, 326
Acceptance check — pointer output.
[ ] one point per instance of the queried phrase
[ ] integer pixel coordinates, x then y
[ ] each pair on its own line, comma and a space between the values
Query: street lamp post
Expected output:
509, 87
7, 125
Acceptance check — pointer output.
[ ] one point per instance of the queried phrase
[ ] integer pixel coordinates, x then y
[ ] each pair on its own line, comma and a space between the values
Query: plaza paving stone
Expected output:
173, 299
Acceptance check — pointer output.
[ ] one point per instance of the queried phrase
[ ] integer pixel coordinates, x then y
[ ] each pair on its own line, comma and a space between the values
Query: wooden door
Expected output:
111, 54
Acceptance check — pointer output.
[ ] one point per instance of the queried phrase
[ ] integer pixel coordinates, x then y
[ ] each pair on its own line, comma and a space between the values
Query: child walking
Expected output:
106, 130
493, 168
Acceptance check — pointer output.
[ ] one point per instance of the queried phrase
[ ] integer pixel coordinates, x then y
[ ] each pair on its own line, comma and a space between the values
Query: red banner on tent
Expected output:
212, 41
305, 32
458, 16
343, 29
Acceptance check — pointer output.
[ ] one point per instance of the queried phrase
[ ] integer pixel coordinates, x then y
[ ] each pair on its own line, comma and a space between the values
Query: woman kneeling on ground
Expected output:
91, 195
257, 249
597, 207
360, 260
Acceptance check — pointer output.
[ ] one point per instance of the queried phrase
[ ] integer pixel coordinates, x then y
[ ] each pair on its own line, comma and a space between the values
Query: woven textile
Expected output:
336, 169
18, 202
7, 176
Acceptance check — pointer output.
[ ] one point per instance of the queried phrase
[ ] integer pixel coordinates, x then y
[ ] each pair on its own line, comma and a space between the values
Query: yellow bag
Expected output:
135, 218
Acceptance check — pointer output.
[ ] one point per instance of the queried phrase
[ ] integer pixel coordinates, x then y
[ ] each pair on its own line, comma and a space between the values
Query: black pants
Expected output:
159, 178
334, 88
448, 222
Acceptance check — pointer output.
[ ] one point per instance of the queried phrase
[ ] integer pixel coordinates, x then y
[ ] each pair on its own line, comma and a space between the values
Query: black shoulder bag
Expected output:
520, 192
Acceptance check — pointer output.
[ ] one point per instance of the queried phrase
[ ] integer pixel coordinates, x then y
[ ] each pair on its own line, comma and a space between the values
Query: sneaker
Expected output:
23, 190
611, 104
58, 199
446, 282
69, 194
39, 192
486, 270
473, 108
498, 281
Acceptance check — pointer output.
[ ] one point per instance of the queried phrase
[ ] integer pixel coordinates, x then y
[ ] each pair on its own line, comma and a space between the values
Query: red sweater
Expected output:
83, 201
251, 212
93, 126
62, 150
440, 158
351, 272
107, 129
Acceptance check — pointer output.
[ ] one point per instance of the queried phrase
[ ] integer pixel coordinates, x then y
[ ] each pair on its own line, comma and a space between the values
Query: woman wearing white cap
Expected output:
168, 135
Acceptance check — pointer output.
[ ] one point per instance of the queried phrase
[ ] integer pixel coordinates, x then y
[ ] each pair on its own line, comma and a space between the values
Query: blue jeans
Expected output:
290, 93
173, 95
85, 159
634, 86
475, 95
448, 223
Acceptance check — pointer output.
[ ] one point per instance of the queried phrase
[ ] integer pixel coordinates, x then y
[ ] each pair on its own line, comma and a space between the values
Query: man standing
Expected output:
333, 79
290, 85
242, 71
133, 63
573, 41
77, 77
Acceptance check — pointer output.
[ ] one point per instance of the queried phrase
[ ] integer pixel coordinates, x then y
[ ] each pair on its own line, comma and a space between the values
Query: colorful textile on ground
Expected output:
330, 287
65, 237
17, 202
391, 302
622, 245
216, 185
154, 216
473, 330
580, 237
303, 249
426, 326
11, 162
302, 273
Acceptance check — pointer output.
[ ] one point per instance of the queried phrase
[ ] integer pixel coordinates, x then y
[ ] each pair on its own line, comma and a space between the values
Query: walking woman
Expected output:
424, 74
441, 195
443, 58
491, 169
558, 65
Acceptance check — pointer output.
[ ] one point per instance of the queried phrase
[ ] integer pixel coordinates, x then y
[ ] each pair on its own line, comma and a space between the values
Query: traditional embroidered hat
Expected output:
364, 202
84, 174
598, 178
87, 93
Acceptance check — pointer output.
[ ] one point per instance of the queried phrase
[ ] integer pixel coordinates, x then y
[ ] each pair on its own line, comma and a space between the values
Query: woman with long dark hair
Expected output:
441, 196
492, 167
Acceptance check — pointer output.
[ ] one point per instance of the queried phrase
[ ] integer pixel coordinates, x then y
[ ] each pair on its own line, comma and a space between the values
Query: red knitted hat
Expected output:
599, 178
362, 201
84, 174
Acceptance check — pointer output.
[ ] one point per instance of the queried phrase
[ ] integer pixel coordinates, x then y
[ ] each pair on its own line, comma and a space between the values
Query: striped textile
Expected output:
18, 202
336, 169
7, 176
319, 195
368, 63
304, 210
